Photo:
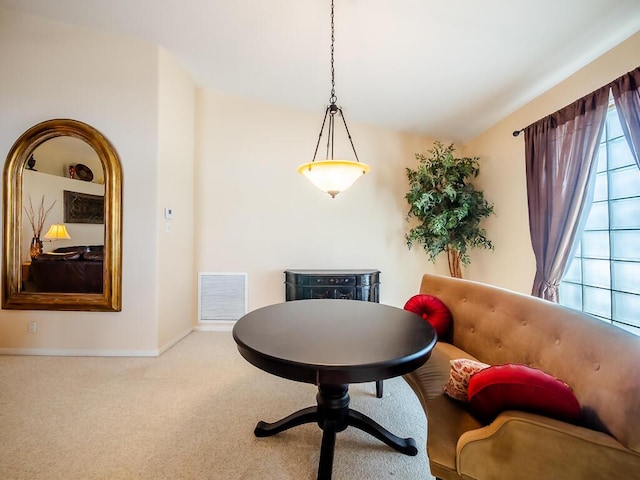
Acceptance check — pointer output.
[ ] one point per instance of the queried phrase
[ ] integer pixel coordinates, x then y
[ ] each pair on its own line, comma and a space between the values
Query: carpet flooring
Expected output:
188, 414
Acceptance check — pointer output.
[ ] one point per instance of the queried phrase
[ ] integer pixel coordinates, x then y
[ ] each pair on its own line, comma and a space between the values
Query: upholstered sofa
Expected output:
76, 269
596, 360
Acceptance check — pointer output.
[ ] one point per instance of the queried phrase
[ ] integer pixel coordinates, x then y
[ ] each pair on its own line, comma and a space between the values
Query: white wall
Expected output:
55, 70
248, 209
512, 264
256, 214
176, 143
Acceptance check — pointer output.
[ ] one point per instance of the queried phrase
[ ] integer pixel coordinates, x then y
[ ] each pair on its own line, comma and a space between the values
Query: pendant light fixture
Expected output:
331, 175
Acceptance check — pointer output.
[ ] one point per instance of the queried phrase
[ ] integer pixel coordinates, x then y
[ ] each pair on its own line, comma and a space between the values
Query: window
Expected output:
603, 278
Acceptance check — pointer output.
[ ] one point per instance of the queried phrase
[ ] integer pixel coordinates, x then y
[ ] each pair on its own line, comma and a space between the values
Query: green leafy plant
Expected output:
447, 206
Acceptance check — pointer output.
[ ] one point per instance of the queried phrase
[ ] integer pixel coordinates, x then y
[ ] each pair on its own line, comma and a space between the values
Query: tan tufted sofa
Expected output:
600, 362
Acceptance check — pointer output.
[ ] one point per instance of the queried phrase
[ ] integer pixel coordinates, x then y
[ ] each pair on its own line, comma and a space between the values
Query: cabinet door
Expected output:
343, 293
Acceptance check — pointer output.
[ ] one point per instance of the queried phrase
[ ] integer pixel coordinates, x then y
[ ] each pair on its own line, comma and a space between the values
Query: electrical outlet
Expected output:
33, 327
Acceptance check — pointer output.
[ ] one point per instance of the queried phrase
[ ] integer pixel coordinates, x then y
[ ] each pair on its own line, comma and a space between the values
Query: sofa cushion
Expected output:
93, 256
461, 371
48, 256
433, 310
75, 248
520, 387
447, 420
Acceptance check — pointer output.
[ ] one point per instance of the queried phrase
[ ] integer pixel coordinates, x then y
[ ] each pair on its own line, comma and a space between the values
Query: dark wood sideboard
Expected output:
334, 284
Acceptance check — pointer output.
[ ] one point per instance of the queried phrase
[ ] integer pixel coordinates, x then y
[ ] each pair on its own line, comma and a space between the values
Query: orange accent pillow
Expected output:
520, 387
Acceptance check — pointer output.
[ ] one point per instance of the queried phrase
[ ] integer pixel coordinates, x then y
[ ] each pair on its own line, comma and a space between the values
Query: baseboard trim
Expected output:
85, 352
80, 352
219, 326
174, 340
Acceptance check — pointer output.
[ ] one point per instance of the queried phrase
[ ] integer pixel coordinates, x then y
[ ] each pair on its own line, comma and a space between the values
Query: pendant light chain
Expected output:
333, 98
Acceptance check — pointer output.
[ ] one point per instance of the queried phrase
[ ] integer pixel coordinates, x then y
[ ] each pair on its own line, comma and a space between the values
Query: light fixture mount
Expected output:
333, 175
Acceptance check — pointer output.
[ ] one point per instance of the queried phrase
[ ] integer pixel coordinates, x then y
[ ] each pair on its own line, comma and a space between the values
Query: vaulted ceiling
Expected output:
446, 69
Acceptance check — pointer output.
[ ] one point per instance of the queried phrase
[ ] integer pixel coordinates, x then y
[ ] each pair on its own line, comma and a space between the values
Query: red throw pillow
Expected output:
519, 387
433, 310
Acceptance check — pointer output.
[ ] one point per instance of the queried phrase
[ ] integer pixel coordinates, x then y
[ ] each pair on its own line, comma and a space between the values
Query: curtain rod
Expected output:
518, 132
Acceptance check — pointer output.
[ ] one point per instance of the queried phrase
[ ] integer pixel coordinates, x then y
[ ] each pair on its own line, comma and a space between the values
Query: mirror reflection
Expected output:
63, 218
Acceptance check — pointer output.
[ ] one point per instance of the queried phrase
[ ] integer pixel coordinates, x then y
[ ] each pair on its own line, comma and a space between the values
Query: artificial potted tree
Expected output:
447, 206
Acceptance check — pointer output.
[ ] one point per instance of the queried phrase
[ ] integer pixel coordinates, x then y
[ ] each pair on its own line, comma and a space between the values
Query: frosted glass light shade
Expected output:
57, 232
333, 176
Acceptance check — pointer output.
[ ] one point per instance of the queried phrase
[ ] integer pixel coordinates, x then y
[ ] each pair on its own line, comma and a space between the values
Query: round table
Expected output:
332, 343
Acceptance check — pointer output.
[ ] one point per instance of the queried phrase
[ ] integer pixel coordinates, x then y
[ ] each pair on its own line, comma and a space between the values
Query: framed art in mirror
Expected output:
83, 208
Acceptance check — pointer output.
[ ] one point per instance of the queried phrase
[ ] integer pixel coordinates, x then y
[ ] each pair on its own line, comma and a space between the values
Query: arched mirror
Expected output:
62, 204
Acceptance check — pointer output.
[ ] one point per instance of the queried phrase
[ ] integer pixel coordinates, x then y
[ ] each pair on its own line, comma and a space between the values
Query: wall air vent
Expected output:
222, 297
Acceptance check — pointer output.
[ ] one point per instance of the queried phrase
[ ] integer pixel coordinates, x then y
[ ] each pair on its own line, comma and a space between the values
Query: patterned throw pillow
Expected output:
461, 371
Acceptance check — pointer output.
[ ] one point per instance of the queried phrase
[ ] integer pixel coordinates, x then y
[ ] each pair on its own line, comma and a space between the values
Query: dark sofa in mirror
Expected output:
76, 269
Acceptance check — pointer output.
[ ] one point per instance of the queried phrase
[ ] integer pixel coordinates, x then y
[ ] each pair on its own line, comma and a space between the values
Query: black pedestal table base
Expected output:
333, 415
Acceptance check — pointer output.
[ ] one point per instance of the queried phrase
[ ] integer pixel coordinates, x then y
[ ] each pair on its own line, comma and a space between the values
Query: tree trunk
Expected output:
455, 266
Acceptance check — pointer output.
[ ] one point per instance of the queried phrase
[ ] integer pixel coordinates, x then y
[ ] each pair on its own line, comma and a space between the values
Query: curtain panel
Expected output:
560, 154
626, 95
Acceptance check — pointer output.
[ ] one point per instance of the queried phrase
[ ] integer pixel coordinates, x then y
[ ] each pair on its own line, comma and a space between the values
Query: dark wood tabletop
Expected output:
334, 341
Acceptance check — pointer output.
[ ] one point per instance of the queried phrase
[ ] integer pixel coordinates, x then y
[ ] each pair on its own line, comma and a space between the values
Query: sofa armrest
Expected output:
530, 447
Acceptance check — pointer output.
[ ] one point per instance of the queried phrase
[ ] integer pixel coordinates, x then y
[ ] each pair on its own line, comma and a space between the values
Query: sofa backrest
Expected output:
597, 360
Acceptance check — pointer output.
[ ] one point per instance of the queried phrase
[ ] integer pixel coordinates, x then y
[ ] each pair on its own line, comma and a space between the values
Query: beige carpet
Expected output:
188, 414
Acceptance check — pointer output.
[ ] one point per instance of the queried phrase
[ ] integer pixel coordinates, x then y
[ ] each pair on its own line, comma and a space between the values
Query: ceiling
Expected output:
445, 69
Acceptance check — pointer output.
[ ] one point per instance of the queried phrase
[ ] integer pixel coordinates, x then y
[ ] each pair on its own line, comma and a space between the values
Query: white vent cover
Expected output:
222, 297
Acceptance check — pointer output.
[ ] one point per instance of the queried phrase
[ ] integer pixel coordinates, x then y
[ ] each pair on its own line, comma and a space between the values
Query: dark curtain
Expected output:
626, 94
560, 154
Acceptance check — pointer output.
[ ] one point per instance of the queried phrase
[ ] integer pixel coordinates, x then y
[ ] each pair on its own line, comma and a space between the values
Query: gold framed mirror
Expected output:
85, 276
